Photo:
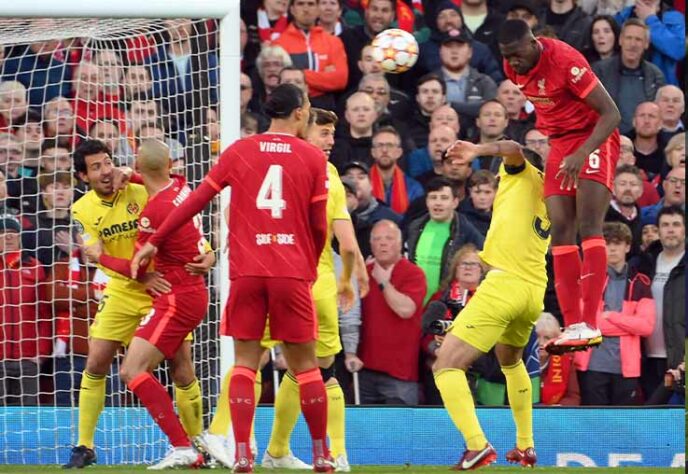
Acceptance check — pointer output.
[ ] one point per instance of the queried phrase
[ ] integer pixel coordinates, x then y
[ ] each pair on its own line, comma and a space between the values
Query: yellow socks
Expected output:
287, 410
335, 419
221, 420
519, 389
458, 401
190, 407
91, 403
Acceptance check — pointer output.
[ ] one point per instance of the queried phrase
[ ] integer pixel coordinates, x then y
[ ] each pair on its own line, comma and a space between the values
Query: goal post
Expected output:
105, 26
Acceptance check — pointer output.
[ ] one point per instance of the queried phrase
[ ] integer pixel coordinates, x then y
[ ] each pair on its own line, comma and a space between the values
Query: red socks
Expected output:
593, 277
242, 407
567, 272
314, 408
158, 403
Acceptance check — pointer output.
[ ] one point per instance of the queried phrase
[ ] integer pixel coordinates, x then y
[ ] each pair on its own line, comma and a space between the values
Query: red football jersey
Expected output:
274, 179
183, 244
557, 86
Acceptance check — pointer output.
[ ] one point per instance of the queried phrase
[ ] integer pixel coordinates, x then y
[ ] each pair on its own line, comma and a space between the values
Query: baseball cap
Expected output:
356, 164
349, 184
9, 223
525, 5
455, 36
446, 5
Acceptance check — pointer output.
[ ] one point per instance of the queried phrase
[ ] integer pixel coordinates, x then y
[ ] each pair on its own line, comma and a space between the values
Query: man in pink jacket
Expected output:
610, 372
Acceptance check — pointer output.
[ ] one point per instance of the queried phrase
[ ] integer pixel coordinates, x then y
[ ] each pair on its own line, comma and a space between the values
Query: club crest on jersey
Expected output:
144, 222
133, 208
541, 86
578, 73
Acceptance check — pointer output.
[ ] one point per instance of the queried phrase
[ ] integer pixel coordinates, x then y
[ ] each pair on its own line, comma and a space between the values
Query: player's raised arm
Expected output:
510, 151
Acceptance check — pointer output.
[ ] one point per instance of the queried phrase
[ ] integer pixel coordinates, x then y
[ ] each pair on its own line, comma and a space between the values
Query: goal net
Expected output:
63, 81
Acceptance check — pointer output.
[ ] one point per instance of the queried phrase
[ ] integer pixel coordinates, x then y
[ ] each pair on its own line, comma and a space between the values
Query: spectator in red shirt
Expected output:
25, 319
558, 379
390, 331
91, 101
59, 123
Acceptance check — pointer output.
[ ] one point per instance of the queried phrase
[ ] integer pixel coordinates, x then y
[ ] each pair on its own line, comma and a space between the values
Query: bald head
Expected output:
153, 158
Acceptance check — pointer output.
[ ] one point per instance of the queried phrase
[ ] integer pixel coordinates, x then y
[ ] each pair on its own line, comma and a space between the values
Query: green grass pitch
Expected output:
14, 469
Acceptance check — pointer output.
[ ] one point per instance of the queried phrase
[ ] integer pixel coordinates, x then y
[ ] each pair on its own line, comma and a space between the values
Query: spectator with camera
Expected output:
391, 323
464, 275
25, 318
609, 373
665, 347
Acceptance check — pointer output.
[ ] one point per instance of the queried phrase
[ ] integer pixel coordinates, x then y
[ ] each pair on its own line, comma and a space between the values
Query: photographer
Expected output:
464, 275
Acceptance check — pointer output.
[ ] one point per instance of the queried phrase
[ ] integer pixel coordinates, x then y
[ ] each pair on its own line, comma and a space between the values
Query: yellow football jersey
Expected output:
115, 223
326, 284
518, 237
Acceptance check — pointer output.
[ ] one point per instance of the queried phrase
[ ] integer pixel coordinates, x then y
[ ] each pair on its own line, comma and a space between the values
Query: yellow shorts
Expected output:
328, 343
502, 311
119, 315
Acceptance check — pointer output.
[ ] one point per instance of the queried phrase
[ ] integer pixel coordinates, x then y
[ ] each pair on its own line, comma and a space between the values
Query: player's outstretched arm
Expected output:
509, 150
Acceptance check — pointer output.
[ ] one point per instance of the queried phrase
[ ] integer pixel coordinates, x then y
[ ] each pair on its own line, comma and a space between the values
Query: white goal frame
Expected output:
228, 11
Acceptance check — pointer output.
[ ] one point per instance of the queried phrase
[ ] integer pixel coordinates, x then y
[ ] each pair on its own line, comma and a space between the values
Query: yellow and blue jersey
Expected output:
519, 233
114, 222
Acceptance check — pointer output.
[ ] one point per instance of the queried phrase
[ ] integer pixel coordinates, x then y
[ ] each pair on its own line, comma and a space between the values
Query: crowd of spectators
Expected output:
420, 219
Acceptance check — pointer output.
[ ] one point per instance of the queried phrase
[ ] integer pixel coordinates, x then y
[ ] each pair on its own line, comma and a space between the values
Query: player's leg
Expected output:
592, 202
519, 388
142, 357
187, 391
561, 210
92, 399
293, 321
509, 352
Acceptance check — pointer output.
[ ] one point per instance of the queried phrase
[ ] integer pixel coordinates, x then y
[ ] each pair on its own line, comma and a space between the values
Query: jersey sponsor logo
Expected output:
275, 147
133, 208
278, 239
578, 73
540, 100
541, 227
119, 228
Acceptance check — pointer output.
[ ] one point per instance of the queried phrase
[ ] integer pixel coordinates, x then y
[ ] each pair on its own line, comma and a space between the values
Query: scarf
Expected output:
399, 202
269, 33
555, 379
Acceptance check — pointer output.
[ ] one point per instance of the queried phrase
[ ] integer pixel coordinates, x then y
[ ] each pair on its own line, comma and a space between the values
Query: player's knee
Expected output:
590, 226
127, 374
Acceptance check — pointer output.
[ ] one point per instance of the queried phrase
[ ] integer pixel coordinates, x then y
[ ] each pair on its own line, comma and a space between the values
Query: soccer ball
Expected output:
396, 50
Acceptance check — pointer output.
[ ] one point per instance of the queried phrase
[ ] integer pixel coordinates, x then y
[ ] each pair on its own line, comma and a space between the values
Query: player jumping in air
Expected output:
176, 313
504, 309
278, 231
580, 118
109, 212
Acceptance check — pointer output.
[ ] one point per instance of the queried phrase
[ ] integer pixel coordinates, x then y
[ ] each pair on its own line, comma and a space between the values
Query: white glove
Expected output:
60, 348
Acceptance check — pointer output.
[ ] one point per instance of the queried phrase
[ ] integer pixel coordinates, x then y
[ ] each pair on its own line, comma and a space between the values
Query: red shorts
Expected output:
288, 301
174, 315
599, 166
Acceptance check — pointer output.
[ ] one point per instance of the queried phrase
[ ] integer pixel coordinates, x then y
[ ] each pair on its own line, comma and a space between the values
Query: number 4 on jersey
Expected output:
270, 192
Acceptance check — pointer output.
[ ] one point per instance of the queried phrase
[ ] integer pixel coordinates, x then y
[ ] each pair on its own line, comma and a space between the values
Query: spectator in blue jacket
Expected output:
667, 33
